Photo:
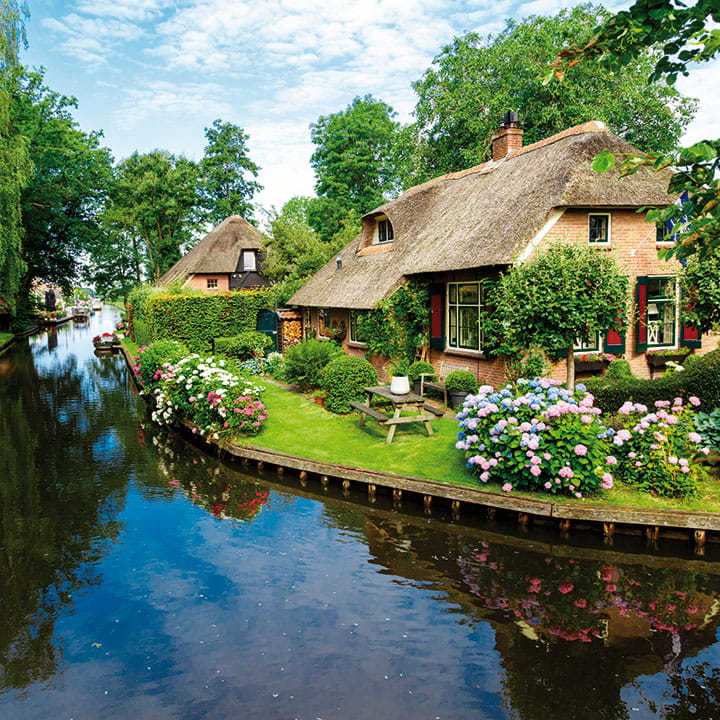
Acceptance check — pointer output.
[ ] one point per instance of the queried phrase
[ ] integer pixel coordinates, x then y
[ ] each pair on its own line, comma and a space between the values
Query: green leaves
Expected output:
603, 162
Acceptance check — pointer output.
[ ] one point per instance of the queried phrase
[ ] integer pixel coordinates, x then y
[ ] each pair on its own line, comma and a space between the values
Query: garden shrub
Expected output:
419, 367
304, 361
656, 449
700, 379
536, 436
708, 427
534, 362
275, 365
151, 360
244, 345
619, 369
203, 390
343, 380
461, 381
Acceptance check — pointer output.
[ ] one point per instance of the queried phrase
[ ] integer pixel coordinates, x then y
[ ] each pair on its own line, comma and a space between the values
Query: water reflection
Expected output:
141, 577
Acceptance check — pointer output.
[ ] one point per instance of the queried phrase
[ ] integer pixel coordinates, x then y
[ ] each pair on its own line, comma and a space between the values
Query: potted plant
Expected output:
319, 397
459, 384
418, 368
658, 358
592, 361
399, 382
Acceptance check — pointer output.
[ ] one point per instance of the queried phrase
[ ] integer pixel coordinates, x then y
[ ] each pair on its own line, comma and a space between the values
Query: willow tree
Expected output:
14, 158
566, 294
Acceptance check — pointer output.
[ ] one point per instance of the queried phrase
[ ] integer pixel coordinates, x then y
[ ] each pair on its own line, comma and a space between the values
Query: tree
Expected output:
685, 33
295, 251
475, 80
567, 293
154, 198
67, 187
14, 157
354, 163
700, 283
224, 185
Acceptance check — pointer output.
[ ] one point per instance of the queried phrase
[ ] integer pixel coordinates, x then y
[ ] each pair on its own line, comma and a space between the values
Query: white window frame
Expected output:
458, 306
213, 286
580, 347
376, 238
608, 241
251, 256
661, 300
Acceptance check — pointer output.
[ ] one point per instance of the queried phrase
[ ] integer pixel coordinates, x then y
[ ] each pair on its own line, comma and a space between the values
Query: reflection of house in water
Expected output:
574, 626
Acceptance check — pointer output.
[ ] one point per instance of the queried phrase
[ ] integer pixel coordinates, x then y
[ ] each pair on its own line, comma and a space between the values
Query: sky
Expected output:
155, 73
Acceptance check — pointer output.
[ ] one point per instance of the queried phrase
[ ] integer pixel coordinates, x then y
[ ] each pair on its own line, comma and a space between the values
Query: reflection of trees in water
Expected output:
221, 490
59, 497
573, 626
695, 693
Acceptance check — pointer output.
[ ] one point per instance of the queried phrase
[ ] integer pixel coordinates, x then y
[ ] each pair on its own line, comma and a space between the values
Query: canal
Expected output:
141, 578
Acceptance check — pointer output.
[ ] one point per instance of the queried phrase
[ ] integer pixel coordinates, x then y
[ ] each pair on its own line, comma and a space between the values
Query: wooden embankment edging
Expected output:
698, 527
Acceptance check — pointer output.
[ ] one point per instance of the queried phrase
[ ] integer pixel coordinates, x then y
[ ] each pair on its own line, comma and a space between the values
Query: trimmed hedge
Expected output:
196, 318
243, 345
701, 378
343, 380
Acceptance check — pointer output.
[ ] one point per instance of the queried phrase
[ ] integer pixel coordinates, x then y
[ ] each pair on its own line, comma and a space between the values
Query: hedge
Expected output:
196, 318
700, 378
343, 380
243, 345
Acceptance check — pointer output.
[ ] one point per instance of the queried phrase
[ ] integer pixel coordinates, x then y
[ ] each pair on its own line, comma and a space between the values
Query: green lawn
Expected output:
297, 426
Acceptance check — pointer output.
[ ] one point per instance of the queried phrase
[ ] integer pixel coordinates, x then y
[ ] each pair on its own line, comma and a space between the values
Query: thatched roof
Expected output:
481, 217
218, 252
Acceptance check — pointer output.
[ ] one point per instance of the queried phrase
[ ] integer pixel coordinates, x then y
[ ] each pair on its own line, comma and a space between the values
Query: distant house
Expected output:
229, 257
459, 229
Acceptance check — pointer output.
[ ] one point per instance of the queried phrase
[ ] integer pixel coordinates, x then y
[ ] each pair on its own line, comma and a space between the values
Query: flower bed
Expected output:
220, 403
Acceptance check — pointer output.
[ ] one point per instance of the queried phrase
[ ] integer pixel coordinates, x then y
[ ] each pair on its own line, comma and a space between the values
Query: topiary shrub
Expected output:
304, 361
343, 380
151, 359
243, 346
461, 381
618, 369
418, 368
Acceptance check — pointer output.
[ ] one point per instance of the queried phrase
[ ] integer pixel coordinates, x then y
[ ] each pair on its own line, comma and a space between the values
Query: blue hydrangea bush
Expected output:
537, 436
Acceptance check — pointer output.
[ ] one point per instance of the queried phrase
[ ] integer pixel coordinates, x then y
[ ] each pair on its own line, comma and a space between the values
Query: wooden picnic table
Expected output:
410, 401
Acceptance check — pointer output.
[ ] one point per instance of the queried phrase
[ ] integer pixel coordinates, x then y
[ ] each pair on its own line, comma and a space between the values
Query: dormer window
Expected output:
248, 260
385, 231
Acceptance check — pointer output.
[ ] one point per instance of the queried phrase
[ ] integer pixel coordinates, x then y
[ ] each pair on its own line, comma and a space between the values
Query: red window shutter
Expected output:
437, 317
641, 314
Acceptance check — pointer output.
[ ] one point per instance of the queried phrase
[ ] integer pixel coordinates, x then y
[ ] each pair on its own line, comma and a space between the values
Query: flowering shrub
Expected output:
664, 352
535, 435
151, 358
655, 450
275, 364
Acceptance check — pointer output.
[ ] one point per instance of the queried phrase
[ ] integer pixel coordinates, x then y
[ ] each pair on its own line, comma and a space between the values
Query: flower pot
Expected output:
660, 360
456, 398
591, 366
319, 400
400, 385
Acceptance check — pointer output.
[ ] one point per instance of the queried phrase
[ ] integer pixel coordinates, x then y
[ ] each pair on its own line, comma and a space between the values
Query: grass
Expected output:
298, 426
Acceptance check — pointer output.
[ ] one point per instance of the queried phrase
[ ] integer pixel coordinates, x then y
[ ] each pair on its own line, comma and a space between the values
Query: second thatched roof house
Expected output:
459, 229
229, 257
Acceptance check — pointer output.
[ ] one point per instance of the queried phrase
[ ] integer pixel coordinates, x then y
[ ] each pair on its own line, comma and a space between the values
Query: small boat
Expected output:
97, 305
80, 314
106, 341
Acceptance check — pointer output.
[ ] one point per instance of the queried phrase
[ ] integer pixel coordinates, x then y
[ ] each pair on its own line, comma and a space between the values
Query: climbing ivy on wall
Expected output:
398, 327
195, 319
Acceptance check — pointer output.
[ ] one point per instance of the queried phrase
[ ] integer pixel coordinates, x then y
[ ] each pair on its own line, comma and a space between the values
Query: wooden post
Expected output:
397, 497
491, 513
700, 538
260, 464
303, 478
371, 490
523, 519
427, 500
280, 470
324, 481
652, 532
564, 525
346, 484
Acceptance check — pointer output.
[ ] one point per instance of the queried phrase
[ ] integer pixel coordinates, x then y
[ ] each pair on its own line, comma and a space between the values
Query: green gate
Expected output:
267, 323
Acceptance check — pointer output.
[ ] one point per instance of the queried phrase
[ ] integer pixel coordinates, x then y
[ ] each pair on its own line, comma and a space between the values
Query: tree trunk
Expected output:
571, 369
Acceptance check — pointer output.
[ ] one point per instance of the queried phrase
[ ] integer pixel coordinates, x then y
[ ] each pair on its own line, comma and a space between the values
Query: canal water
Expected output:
143, 579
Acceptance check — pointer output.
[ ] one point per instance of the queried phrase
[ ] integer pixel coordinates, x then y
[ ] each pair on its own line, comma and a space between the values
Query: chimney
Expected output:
510, 136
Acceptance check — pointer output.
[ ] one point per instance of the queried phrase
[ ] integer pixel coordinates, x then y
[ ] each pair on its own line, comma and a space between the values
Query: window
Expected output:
212, 283
464, 307
592, 344
599, 229
661, 311
248, 260
356, 335
323, 322
385, 231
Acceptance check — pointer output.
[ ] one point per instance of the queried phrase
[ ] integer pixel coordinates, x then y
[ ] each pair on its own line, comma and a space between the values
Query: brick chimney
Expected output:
510, 136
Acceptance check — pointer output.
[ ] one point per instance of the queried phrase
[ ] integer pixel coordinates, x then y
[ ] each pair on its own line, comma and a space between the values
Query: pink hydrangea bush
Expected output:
658, 450
535, 435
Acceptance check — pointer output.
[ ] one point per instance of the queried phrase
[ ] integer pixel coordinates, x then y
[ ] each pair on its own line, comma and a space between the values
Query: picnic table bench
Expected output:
423, 412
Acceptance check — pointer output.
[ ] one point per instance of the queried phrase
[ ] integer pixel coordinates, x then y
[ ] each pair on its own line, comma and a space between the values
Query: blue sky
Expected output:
154, 73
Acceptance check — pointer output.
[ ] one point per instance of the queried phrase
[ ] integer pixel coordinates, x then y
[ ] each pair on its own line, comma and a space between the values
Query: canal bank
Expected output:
695, 527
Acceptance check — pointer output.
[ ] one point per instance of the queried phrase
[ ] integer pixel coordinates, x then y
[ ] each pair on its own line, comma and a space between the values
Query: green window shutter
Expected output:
641, 314
437, 317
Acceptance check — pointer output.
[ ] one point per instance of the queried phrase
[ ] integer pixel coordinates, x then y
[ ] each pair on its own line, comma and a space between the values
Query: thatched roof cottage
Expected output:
229, 257
460, 228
